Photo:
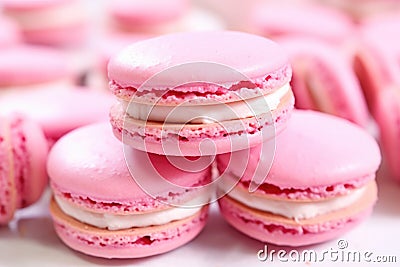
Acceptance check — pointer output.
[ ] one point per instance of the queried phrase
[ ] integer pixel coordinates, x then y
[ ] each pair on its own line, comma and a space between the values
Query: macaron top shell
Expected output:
142, 12
88, 166
24, 65
318, 154
223, 58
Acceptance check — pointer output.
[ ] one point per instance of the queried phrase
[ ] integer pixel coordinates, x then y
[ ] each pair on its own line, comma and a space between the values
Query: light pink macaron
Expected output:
143, 16
300, 19
56, 22
358, 10
102, 208
376, 57
32, 67
387, 116
320, 185
324, 79
180, 95
9, 32
23, 155
59, 111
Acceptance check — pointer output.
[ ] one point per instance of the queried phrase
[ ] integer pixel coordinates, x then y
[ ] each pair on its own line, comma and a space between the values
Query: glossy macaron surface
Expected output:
169, 62
100, 173
323, 151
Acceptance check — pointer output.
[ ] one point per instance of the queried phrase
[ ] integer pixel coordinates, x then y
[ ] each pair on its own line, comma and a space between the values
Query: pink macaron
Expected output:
143, 16
324, 79
25, 68
387, 116
376, 56
59, 111
56, 22
320, 185
179, 95
300, 19
361, 9
9, 32
23, 155
99, 208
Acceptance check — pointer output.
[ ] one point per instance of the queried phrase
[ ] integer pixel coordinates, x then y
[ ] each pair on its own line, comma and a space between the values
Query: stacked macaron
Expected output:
157, 200
320, 185
99, 207
179, 95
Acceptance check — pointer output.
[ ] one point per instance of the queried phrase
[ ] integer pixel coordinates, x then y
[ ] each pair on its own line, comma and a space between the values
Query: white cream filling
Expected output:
52, 17
118, 222
207, 113
293, 209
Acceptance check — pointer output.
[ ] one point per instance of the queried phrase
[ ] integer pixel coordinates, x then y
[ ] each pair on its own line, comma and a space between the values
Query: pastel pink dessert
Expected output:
321, 183
156, 16
59, 111
24, 68
377, 54
23, 155
100, 209
179, 95
324, 80
233, 12
361, 9
387, 116
56, 22
300, 19
9, 32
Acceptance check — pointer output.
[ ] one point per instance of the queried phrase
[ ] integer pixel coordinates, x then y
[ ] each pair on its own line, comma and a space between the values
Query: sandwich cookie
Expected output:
321, 183
100, 209
179, 95
23, 155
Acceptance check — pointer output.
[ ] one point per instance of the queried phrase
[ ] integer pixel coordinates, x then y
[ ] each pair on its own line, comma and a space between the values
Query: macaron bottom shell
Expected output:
129, 243
279, 230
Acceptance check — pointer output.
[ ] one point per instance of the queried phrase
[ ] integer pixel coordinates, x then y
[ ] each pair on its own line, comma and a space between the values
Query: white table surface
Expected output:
30, 240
